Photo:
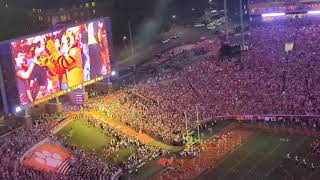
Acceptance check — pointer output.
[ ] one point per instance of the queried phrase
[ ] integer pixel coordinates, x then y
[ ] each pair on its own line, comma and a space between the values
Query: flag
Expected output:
288, 46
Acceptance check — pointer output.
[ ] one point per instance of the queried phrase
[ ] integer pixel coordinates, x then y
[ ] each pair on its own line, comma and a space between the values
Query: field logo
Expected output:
47, 159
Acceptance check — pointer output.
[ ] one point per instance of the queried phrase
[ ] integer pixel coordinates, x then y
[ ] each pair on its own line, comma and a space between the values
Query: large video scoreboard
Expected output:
47, 65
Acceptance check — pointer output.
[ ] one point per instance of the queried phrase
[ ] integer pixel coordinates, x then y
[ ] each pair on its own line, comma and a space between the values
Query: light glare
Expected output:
313, 12
18, 109
272, 14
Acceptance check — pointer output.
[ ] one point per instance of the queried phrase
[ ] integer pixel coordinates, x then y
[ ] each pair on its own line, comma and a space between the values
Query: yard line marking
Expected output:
266, 155
237, 164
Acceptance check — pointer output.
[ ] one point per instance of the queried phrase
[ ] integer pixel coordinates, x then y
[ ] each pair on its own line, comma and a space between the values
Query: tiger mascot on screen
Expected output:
52, 73
66, 64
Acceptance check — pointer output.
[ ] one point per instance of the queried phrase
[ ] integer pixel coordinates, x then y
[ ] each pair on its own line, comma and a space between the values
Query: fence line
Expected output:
258, 117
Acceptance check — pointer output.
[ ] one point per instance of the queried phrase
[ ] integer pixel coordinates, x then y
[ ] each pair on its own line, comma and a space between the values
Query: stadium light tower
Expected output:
3, 92
210, 3
173, 17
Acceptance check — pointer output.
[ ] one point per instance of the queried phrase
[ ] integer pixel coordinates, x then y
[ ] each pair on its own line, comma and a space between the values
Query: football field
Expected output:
261, 156
264, 156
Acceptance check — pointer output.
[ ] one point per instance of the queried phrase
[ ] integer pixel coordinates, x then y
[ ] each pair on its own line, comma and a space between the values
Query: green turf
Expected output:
92, 140
293, 170
260, 158
84, 135
122, 154
167, 147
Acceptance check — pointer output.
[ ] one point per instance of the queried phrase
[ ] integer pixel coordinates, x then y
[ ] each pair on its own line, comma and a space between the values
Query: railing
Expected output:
143, 97
259, 117
117, 175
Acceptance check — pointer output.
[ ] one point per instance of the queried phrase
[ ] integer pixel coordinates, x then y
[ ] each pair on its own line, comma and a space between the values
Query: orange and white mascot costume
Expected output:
68, 63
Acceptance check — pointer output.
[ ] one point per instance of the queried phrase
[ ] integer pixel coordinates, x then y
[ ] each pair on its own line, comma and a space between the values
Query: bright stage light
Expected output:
313, 12
273, 14
113, 73
18, 109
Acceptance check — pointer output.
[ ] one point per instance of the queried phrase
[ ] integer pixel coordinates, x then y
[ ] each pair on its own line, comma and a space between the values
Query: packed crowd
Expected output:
135, 114
269, 81
140, 112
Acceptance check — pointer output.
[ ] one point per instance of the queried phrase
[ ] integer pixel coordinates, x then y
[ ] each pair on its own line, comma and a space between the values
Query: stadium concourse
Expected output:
265, 84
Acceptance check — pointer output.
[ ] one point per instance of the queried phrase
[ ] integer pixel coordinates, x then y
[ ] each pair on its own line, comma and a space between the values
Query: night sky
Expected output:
140, 12
66, 3
53, 4
47, 3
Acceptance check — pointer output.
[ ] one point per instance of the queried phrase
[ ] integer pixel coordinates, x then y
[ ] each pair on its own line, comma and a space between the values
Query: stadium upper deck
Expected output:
258, 7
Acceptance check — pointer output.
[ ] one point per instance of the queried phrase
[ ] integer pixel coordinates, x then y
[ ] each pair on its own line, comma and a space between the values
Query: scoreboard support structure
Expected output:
85, 94
3, 92
27, 119
55, 107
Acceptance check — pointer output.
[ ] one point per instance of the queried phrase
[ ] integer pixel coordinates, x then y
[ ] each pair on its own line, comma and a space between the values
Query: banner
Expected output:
288, 47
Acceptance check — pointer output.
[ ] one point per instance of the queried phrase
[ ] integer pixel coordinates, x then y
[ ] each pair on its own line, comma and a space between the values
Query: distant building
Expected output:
47, 18
4, 4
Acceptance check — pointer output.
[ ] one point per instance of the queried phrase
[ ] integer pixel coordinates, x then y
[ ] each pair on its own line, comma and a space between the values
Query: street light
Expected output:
124, 39
174, 21
211, 3
193, 11
174, 18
